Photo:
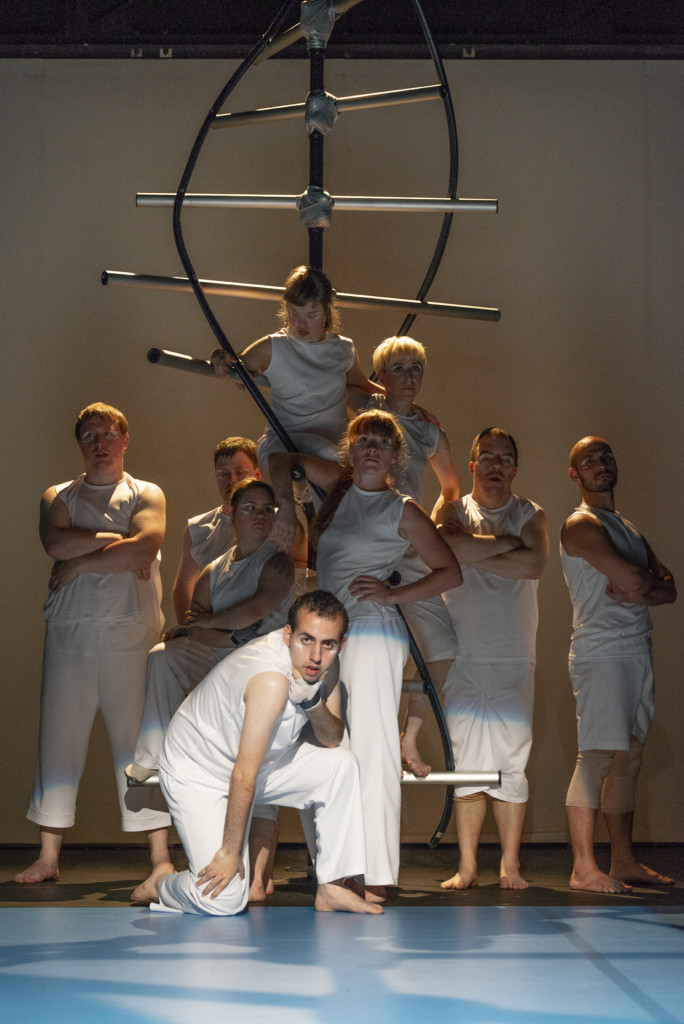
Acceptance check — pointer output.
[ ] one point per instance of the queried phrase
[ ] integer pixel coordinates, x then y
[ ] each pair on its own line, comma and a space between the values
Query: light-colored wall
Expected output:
584, 260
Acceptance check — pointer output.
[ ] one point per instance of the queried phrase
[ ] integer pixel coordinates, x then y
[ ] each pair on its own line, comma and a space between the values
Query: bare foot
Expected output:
512, 880
371, 893
148, 891
42, 870
412, 759
598, 882
639, 874
258, 892
461, 880
337, 896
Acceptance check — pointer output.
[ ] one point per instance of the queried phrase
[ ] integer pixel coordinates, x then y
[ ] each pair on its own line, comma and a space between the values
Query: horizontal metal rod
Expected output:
295, 33
179, 361
343, 299
456, 778
372, 204
364, 101
459, 778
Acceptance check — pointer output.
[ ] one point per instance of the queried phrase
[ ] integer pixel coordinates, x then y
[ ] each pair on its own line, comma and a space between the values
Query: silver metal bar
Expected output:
152, 781
273, 294
457, 778
180, 361
372, 204
460, 778
364, 101
295, 33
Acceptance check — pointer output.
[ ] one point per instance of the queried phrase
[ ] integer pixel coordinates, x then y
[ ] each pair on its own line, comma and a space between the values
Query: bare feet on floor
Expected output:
42, 870
510, 877
338, 896
370, 893
512, 880
257, 892
412, 759
640, 874
597, 881
461, 880
148, 891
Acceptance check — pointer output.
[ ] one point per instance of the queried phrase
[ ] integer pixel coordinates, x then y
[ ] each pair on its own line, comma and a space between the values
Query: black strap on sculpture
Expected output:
241, 370
453, 164
431, 694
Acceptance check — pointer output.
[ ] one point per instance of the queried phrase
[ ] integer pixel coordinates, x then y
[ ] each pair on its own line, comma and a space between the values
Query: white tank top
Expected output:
494, 617
603, 628
362, 539
211, 534
308, 384
202, 741
114, 596
421, 439
231, 581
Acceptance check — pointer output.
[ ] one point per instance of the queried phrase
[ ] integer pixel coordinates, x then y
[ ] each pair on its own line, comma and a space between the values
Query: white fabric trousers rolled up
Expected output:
86, 666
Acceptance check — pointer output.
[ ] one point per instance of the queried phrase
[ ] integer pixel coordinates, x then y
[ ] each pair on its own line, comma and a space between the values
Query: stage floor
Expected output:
74, 951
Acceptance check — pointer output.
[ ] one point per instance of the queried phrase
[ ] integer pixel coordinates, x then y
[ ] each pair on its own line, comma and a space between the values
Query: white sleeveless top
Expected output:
421, 439
231, 581
308, 384
114, 596
362, 539
202, 741
494, 617
211, 534
603, 628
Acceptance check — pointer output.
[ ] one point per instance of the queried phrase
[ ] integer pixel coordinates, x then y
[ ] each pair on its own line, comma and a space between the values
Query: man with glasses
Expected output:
501, 542
103, 530
613, 577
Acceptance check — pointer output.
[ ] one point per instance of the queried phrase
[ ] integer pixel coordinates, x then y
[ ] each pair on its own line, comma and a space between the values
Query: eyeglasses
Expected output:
488, 459
370, 441
590, 461
92, 438
248, 509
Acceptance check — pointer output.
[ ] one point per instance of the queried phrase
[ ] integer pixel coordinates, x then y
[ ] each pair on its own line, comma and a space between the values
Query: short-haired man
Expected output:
399, 363
613, 577
104, 530
502, 544
234, 742
208, 536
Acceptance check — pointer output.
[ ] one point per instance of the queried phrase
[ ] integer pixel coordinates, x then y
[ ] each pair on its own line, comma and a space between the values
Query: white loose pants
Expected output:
304, 776
86, 666
371, 665
174, 669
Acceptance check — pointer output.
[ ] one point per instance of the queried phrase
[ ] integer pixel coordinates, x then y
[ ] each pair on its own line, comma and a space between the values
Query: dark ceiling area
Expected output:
467, 29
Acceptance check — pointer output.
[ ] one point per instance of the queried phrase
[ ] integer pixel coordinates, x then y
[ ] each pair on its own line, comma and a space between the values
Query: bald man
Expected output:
613, 577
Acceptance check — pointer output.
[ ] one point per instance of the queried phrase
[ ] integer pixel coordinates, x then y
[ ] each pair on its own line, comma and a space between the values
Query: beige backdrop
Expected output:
584, 260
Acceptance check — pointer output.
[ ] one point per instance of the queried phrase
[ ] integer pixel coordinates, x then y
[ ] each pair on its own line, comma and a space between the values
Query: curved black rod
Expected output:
273, 30
431, 693
453, 165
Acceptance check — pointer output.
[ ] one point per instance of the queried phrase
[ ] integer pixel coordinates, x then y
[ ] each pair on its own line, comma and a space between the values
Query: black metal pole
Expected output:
316, 139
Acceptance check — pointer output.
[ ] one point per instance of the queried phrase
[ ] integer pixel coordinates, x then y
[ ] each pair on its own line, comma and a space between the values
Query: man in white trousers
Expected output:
234, 742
